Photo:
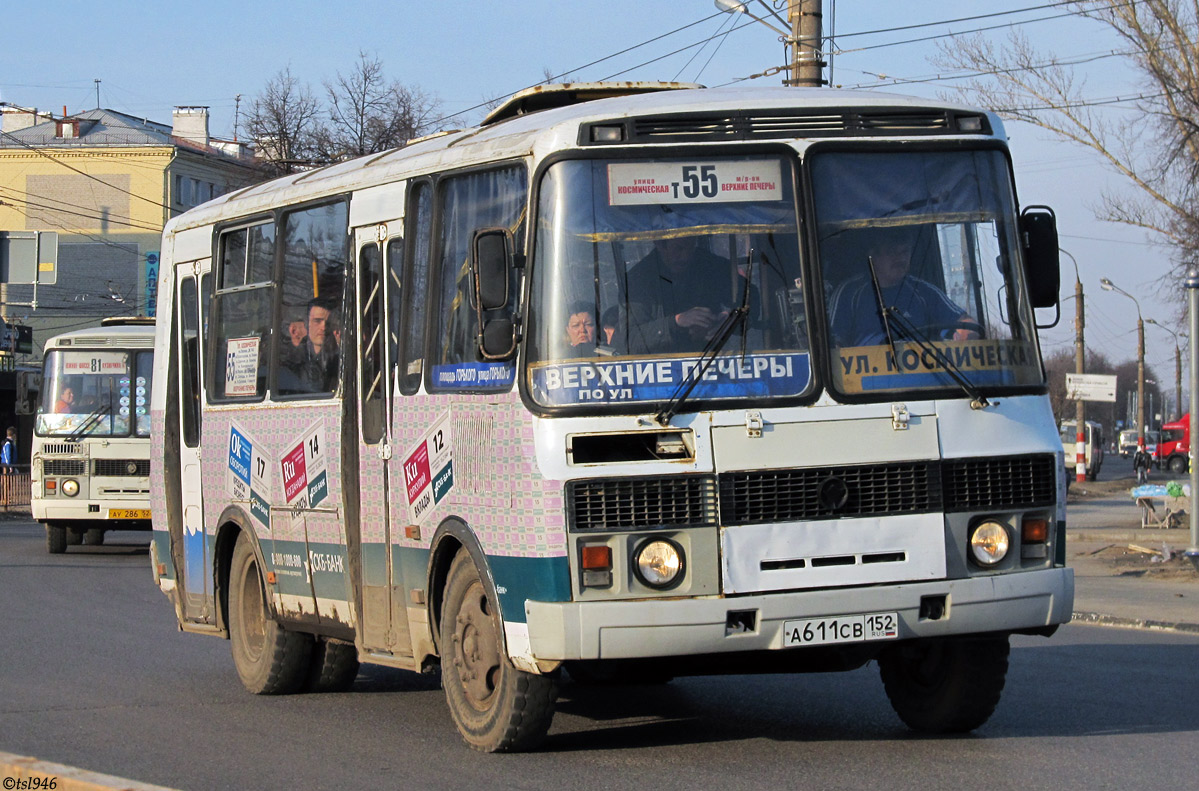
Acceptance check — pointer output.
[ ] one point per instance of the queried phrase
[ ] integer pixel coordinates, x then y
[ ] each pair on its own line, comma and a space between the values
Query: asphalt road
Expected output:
94, 674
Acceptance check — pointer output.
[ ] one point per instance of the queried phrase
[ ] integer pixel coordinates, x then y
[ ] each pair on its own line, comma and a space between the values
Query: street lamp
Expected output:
1177, 367
803, 37
1080, 411
1108, 285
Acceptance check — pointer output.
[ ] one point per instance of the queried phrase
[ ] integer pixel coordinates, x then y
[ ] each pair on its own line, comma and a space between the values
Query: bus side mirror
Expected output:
491, 266
1038, 232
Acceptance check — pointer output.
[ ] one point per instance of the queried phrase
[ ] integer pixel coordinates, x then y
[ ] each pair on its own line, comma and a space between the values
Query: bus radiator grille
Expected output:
638, 503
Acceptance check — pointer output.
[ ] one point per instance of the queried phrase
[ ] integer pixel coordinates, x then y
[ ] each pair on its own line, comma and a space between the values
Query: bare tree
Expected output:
1156, 150
368, 114
282, 121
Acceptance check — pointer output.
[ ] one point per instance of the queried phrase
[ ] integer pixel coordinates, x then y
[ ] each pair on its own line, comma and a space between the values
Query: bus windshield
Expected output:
921, 282
640, 264
95, 393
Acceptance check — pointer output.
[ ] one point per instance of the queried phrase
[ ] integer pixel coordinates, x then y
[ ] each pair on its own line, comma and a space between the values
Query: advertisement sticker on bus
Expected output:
652, 183
429, 470
615, 382
248, 473
241, 367
305, 469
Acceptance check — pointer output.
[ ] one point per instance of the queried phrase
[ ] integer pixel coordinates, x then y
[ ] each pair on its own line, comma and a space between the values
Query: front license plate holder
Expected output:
128, 513
841, 629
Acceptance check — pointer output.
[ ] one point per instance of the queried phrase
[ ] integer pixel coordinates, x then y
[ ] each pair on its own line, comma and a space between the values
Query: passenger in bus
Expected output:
608, 324
314, 364
65, 403
854, 314
580, 331
678, 295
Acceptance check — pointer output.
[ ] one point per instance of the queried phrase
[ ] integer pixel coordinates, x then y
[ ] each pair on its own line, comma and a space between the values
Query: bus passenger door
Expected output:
197, 563
384, 627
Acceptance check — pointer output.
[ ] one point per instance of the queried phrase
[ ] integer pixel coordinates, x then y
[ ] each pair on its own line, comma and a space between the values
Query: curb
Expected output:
1099, 619
26, 772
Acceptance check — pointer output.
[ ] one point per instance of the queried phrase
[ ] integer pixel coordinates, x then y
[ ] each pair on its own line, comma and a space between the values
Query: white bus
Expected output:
577, 390
90, 463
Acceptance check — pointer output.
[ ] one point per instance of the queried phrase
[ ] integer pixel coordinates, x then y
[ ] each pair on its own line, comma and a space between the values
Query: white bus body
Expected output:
374, 441
90, 465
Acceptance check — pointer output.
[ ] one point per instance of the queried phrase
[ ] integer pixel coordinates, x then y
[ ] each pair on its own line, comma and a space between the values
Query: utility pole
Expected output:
236, 113
1080, 356
1080, 410
807, 68
97, 94
1108, 285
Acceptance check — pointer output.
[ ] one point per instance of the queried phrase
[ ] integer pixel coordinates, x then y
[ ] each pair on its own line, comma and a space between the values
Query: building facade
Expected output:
106, 183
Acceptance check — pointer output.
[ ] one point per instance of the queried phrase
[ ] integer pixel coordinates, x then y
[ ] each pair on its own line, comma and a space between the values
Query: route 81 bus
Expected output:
90, 463
594, 388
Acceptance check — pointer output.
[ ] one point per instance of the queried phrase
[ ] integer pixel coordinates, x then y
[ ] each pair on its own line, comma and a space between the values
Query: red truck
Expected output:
1175, 444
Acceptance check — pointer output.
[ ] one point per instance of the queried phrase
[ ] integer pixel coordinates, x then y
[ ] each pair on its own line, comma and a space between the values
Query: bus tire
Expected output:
945, 685
270, 659
496, 707
74, 536
56, 539
1178, 464
334, 666
94, 536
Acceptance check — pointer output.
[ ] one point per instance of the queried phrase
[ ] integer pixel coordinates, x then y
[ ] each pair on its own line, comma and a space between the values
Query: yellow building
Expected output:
106, 182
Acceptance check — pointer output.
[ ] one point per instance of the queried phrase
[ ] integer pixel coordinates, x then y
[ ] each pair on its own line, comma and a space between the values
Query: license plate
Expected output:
128, 513
842, 629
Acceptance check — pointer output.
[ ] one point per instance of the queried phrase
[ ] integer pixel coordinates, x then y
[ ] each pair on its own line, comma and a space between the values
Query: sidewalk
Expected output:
1121, 574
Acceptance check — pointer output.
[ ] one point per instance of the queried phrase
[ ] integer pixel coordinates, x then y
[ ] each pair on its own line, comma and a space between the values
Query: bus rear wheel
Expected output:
94, 536
270, 659
496, 707
334, 666
945, 685
56, 539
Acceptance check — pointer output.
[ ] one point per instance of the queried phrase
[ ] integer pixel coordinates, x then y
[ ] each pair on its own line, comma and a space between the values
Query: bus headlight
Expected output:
70, 487
659, 563
989, 543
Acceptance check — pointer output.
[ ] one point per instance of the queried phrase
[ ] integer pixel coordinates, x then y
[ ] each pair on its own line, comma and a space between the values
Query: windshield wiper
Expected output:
708, 356
90, 422
882, 309
978, 400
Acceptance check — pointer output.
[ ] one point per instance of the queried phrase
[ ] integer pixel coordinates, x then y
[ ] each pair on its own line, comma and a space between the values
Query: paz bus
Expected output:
90, 462
565, 395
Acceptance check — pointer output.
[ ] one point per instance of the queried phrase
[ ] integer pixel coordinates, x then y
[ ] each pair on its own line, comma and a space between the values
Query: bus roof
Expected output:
117, 336
720, 115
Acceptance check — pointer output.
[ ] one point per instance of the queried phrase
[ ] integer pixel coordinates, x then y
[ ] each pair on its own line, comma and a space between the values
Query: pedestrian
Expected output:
8, 451
1140, 464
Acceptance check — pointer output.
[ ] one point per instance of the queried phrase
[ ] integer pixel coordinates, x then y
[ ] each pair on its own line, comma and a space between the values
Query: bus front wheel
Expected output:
56, 539
496, 707
270, 660
945, 685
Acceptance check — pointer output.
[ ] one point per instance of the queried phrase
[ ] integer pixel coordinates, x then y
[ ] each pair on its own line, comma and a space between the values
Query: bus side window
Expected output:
468, 203
372, 343
242, 314
189, 315
310, 328
393, 263
415, 297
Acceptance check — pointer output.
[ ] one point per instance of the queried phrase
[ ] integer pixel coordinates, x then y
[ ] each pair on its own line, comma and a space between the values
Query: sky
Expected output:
150, 57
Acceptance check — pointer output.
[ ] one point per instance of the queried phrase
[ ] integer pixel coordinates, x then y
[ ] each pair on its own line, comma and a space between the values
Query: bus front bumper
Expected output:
560, 631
